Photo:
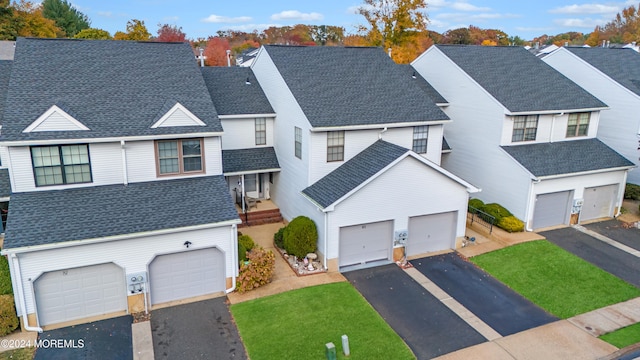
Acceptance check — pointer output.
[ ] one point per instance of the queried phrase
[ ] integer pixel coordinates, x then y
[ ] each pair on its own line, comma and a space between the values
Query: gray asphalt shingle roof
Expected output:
621, 65
5, 74
254, 159
5, 183
231, 94
519, 80
435, 96
46, 217
566, 157
354, 172
116, 88
346, 86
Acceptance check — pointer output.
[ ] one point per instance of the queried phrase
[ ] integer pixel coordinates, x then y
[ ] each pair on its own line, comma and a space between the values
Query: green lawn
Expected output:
18, 354
556, 280
623, 337
297, 325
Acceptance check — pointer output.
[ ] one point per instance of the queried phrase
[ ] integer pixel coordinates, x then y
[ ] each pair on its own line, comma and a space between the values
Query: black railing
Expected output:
481, 217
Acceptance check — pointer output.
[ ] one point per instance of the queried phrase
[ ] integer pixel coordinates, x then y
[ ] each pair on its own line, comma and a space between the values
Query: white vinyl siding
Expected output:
240, 133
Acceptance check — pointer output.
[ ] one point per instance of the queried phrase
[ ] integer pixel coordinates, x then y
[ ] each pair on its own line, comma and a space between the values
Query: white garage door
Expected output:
433, 232
551, 209
363, 243
186, 274
598, 202
77, 293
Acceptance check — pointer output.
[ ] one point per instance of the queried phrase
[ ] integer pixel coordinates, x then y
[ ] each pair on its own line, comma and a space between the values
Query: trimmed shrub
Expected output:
496, 210
8, 318
246, 241
242, 254
476, 203
259, 271
511, 224
278, 238
5, 277
632, 191
301, 237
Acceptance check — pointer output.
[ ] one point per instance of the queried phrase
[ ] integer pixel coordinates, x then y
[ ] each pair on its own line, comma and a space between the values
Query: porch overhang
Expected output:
249, 161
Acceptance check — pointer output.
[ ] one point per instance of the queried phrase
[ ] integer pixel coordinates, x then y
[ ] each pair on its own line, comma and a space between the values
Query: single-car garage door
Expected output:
598, 202
432, 232
82, 292
551, 209
363, 243
186, 274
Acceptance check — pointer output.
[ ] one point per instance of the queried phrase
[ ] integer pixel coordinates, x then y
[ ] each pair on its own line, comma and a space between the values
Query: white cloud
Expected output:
296, 15
579, 23
250, 27
586, 9
213, 18
463, 6
105, 13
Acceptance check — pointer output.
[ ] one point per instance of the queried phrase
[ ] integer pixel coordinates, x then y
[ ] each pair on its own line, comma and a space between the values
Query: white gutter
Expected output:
234, 249
597, 171
71, 243
108, 139
238, 173
125, 176
546, 112
245, 116
379, 126
20, 288
530, 201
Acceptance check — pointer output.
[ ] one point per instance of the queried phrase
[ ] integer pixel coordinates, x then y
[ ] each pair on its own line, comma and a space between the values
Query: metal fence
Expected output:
481, 217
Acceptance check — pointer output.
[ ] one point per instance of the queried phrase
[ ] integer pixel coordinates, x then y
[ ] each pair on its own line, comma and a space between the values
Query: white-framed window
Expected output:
525, 128
57, 165
175, 157
420, 136
261, 131
335, 146
578, 124
298, 142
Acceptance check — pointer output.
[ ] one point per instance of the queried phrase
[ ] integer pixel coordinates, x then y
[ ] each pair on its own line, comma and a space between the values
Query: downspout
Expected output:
620, 197
125, 175
234, 249
23, 305
529, 218
326, 240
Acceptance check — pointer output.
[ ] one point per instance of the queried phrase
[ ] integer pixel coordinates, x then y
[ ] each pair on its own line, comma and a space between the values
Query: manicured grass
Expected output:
554, 279
297, 325
26, 353
623, 337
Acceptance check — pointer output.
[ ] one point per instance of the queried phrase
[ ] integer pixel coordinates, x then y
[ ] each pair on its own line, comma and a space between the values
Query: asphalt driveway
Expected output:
103, 339
497, 305
613, 229
605, 256
200, 330
428, 327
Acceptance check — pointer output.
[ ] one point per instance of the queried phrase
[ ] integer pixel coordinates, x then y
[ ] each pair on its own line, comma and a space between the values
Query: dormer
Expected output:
178, 115
56, 119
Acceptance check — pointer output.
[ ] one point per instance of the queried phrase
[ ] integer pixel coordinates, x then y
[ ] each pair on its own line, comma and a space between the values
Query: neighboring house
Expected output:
118, 199
612, 75
525, 134
246, 57
359, 145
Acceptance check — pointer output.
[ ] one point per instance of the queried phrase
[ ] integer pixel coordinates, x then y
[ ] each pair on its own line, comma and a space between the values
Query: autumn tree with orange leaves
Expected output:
215, 52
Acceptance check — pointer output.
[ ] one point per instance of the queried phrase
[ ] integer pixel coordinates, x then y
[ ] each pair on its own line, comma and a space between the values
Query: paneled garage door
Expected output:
186, 274
77, 293
598, 202
363, 243
551, 209
432, 232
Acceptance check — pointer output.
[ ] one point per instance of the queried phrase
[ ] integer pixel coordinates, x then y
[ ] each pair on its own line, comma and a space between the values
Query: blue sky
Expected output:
202, 18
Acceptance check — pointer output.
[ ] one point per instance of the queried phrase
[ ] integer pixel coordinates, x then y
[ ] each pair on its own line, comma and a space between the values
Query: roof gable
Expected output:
621, 65
55, 119
519, 80
178, 115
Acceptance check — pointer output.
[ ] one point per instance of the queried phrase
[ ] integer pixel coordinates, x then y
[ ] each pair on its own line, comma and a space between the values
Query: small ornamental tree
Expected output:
301, 237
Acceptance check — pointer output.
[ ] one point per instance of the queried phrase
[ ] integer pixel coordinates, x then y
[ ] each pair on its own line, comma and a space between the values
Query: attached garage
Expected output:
186, 274
432, 232
364, 243
551, 209
598, 202
78, 293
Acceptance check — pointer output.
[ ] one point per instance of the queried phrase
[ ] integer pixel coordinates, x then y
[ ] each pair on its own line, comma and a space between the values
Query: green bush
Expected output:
632, 191
247, 242
511, 224
278, 238
301, 237
242, 254
8, 318
259, 271
5, 277
496, 210
476, 203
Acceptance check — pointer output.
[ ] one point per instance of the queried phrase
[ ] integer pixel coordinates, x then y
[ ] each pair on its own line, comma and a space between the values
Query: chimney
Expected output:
566, 44
608, 43
201, 50
604, 43
228, 58
389, 49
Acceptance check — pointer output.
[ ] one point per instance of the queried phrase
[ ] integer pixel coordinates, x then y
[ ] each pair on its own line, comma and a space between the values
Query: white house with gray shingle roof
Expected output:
359, 144
118, 199
612, 75
525, 134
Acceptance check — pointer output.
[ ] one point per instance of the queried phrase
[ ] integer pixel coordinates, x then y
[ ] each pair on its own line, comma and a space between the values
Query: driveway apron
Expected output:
613, 230
498, 306
200, 330
606, 257
428, 327
103, 339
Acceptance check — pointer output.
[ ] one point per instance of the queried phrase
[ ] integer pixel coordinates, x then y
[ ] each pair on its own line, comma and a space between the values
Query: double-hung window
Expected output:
176, 157
578, 124
524, 128
420, 135
298, 142
261, 131
335, 146
64, 164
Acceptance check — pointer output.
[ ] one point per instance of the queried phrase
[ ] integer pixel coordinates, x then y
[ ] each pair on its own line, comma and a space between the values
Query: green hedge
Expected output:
632, 191
301, 237
476, 203
5, 277
242, 254
504, 219
497, 211
246, 241
8, 318
278, 238
511, 224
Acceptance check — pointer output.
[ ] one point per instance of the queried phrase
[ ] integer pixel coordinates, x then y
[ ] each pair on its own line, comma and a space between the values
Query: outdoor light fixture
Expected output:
187, 243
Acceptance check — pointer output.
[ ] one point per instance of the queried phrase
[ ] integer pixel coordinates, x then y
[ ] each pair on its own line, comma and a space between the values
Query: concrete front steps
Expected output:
260, 217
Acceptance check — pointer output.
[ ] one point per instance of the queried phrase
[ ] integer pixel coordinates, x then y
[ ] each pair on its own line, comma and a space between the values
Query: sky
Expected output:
203, 18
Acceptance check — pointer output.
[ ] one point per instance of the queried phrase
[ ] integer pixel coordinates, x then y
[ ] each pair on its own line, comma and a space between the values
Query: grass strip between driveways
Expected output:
623, 337
554, 279
297, 325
